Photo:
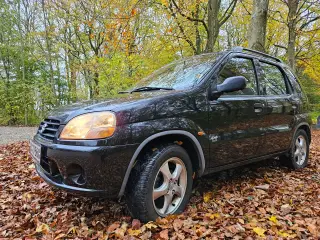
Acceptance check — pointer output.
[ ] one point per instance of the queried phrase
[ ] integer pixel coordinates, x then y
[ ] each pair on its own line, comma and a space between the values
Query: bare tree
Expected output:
300, 13
214, 22
214, 17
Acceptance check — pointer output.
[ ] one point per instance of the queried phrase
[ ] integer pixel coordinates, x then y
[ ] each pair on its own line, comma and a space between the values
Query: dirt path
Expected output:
15, 134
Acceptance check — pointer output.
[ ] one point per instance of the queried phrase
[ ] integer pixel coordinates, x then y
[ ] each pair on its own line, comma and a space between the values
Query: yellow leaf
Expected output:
164, 2
207, 197
150, 225
260, 231
213, 215
72, 230
283, 234
43, 228
134, 232
61, 235
273, 219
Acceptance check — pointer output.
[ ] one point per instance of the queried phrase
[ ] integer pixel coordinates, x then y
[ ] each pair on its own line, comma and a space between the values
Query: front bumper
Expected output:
86, 170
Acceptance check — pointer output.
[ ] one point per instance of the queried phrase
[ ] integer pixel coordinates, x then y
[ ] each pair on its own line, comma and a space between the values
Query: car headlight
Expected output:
90, 126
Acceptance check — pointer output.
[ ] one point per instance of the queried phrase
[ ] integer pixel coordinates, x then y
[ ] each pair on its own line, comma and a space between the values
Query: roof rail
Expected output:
241, 49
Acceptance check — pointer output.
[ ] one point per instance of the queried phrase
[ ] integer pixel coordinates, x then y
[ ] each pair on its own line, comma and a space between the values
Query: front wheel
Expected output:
160, 184
298, 156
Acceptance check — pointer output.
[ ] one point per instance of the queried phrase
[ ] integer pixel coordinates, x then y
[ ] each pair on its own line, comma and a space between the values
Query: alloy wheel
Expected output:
300, 153
169, 186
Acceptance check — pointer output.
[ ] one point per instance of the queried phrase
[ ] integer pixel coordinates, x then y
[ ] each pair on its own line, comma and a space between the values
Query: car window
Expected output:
240, 67
182, 74
272, 82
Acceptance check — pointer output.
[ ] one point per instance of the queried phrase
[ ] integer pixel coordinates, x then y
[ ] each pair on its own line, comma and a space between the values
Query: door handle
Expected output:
294, 108
258, 107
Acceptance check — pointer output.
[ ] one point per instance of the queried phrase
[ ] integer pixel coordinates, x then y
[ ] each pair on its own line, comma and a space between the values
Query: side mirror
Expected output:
231, 84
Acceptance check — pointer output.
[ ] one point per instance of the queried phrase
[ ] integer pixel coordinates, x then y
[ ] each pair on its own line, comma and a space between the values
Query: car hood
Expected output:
120, 102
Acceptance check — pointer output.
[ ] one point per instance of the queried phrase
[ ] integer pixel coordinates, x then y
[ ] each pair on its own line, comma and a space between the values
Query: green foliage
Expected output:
311, 88
57, 52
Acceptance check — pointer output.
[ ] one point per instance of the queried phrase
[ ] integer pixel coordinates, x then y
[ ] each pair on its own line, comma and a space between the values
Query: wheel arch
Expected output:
306, 127
192, 146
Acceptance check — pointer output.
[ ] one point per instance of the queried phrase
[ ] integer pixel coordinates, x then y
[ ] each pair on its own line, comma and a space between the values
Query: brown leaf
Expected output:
177, 224
285, 209
113, 227
136, 224
164, 234
312, 229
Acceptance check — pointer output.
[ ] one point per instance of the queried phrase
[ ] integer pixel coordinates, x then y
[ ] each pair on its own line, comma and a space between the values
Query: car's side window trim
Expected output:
285, 78
256, 66
288, 82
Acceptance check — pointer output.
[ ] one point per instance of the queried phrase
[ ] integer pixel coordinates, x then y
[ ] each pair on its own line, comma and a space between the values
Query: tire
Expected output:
298, 155
150, 179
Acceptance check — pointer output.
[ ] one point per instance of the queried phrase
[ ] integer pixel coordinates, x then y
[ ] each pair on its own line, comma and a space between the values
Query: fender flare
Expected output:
152, 137
298, 126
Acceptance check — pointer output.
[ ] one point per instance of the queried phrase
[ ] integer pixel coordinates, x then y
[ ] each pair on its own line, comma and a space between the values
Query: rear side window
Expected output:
273, 81
240, 67
293, 80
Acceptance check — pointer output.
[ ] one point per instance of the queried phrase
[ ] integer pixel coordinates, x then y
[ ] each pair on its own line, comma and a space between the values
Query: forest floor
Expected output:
14, 134
263, 200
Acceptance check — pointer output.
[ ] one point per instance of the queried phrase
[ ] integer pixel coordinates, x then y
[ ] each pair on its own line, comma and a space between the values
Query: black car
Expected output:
192, 117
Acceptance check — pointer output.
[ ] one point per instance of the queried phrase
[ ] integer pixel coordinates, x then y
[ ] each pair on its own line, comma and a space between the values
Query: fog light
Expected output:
76, 174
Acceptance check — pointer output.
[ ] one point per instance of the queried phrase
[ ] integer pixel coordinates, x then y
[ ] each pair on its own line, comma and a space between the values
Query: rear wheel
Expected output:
160, 184
298, 156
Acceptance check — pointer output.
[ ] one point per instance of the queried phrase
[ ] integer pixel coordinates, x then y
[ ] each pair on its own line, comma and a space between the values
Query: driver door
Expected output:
236, 119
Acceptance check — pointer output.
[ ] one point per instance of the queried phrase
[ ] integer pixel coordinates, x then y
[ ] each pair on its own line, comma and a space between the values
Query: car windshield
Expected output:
181, 74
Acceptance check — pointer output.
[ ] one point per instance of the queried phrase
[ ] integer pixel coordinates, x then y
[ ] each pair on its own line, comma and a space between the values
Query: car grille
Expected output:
48, 128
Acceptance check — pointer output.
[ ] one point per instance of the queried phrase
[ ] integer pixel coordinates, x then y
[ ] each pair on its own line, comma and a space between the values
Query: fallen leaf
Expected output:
273, 219
212, 215
312, 229
150, 225
113, 227
164, 234
207, 197
43, 228
259, 231
177, 224
263, 187
136, 224
285, 209
134, 232
241, 220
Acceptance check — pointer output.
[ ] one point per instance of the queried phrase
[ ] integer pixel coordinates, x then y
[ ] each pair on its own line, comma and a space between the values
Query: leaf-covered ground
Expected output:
264, 200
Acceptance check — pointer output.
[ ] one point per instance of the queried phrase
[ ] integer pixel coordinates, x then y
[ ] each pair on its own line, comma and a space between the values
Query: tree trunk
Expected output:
292, 24
196, 25
48, 45
258, 25
73, 84
213, 23
96, 84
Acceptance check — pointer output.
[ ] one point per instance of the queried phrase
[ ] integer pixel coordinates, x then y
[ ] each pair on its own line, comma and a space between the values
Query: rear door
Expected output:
235, 119
275, 86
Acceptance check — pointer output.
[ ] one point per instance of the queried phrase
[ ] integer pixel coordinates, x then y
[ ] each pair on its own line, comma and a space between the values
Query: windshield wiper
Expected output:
141, 89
